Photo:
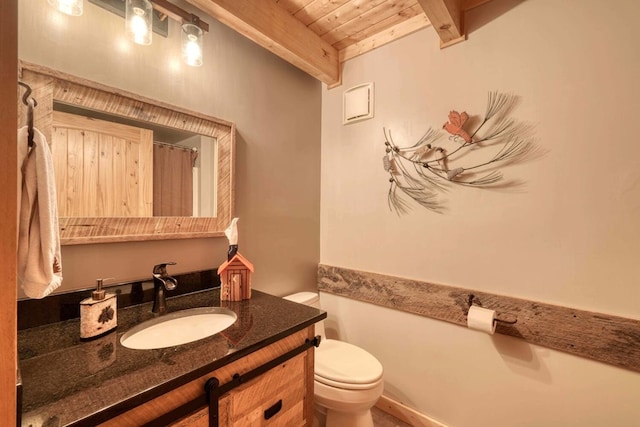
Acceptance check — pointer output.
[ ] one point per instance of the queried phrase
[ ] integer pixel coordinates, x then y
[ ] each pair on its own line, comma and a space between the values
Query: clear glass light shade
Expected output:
139, 21
192, 45
70, 7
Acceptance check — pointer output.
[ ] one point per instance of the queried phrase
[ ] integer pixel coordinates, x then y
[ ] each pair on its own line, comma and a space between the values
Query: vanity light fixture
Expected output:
192, 44
139, 21
69, 7
191, 32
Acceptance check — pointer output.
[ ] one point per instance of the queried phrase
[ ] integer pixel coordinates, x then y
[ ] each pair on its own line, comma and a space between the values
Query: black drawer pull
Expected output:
273, 410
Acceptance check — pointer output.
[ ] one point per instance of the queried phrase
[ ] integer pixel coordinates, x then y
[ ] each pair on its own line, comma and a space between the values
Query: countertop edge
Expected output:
121, 407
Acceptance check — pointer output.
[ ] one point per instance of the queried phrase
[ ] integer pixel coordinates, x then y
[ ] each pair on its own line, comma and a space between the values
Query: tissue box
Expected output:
235, 276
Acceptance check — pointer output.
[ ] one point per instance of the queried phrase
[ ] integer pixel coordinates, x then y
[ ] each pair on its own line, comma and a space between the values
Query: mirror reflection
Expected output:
111, 166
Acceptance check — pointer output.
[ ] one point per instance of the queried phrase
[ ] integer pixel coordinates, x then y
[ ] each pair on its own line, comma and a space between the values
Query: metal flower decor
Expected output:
423, 170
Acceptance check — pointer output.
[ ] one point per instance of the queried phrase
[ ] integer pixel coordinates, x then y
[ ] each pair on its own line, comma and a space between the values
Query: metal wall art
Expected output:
466, 153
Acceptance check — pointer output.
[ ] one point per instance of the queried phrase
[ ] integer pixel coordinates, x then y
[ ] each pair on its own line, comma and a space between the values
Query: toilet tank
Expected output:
306, 298
312, 299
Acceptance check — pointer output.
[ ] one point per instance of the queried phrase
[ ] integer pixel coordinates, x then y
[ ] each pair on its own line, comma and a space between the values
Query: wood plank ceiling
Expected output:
317, 36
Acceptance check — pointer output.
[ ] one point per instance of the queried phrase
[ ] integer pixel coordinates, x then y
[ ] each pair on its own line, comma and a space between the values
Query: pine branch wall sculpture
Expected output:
453, 156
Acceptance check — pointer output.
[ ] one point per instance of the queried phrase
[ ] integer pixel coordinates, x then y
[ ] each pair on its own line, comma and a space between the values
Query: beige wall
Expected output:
570, 236
276, 109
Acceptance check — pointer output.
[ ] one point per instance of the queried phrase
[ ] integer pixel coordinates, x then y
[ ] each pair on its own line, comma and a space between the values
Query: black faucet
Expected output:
161, 282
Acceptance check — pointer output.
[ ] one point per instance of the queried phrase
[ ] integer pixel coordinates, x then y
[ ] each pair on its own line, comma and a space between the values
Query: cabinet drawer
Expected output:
274, 399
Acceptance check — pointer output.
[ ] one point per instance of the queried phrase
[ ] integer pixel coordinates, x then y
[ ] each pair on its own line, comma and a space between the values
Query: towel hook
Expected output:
27, 94
31, 103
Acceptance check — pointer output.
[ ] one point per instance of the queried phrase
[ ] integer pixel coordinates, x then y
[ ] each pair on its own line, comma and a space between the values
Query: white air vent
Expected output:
357, 103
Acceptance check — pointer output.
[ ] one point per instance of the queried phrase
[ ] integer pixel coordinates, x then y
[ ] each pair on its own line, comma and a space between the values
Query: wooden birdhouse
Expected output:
235, 275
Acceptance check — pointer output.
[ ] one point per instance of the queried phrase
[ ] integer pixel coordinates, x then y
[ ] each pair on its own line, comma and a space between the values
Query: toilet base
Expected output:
324, 417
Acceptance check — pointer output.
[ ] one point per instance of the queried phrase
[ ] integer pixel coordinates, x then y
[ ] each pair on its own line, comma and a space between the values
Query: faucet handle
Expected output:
162, 268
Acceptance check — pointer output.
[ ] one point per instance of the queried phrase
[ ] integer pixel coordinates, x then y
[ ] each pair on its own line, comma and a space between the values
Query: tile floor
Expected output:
382, 419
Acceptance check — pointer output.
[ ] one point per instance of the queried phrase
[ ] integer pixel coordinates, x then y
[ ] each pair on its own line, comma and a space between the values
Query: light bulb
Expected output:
193, 53
69, 7
192, 45
139, 14
139, 26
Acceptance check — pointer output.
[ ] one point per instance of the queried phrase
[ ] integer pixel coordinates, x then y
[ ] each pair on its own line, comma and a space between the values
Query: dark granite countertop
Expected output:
69, 382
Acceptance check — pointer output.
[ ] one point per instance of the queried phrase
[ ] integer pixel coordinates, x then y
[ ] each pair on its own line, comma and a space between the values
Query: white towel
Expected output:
39, 264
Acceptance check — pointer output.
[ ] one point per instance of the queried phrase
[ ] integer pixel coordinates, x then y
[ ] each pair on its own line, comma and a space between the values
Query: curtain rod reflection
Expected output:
183, 147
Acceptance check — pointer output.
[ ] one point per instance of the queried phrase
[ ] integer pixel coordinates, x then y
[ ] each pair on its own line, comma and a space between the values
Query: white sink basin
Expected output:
179, 327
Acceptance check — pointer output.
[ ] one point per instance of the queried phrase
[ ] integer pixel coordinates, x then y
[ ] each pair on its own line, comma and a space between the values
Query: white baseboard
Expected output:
406, 414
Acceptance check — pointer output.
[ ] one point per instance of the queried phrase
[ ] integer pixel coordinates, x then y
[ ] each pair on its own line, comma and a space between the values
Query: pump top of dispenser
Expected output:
99, 293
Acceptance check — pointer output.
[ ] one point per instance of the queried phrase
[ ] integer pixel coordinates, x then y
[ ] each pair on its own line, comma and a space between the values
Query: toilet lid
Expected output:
345, 365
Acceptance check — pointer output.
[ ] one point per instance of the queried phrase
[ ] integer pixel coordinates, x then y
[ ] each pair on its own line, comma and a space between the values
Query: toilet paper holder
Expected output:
473, 300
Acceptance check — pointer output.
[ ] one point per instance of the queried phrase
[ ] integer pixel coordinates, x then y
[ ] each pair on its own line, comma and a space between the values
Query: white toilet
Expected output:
348, 380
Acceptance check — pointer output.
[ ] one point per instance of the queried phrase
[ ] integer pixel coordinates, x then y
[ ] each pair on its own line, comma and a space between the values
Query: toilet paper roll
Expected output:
481, 319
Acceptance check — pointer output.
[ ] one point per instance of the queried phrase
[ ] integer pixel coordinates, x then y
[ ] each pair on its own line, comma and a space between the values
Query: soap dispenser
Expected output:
98, 313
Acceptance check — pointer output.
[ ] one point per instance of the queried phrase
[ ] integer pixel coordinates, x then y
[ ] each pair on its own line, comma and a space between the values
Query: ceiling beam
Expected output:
471, 4
275, 29
446, 18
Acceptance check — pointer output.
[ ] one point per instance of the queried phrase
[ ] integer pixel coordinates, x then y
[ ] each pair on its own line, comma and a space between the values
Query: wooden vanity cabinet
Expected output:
275, 399
282, 396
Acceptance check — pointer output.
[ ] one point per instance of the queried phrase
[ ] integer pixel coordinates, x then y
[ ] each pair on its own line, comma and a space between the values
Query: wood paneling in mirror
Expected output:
50, 85
102, 168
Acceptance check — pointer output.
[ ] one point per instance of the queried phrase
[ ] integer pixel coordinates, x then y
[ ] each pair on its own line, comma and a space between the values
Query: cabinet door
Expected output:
276, 398
197, 419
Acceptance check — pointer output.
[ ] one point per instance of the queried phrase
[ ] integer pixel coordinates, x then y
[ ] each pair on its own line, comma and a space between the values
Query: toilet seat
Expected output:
346, 366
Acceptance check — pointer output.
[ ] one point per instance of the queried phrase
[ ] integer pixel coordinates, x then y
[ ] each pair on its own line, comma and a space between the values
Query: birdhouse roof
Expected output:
237, 261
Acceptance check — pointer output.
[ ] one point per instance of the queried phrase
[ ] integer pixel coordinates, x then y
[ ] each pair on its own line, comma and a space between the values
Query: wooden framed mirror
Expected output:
57, 93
